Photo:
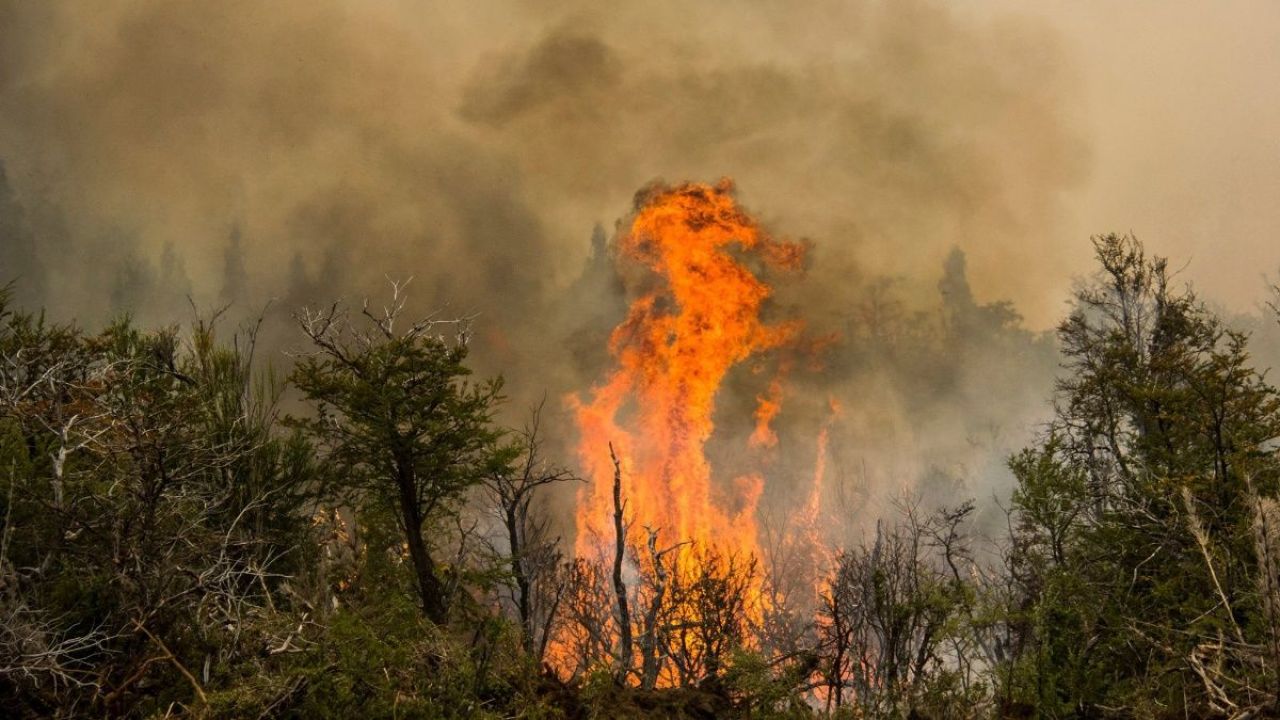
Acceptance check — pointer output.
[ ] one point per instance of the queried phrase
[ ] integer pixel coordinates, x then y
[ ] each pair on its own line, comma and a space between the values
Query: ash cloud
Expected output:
299, 150
475, 148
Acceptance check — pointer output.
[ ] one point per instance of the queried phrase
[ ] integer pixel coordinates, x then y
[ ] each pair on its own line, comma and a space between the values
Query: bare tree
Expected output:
656, 577
888, 612
619, 585
588, 630
533, 552
710, 612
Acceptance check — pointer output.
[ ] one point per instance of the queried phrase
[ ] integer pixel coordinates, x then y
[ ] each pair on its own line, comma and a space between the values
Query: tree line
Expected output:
188, 533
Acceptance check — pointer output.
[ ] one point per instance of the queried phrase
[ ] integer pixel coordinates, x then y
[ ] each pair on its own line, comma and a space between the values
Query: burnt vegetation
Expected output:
187, 533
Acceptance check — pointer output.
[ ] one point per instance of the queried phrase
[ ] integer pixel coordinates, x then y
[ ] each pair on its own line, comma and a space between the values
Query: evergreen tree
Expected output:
1137, 511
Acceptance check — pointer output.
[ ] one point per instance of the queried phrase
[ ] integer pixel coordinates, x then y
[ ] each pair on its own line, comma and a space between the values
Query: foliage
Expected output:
151, 512
399, 424
172, 547
1136, 549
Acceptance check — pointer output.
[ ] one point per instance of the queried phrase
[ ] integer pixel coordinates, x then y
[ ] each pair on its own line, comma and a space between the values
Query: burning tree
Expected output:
537, 568
699, 317
669, 584
890, 625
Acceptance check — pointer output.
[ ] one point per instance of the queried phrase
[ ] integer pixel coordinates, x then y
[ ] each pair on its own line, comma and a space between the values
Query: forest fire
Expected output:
672, 352
353, 363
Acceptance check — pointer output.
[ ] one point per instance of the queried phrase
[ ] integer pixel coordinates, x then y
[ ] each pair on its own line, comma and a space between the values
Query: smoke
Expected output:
476, 148
303, 149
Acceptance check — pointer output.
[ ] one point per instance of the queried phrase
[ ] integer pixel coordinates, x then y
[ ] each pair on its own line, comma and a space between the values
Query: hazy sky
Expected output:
475, 144
1183, 124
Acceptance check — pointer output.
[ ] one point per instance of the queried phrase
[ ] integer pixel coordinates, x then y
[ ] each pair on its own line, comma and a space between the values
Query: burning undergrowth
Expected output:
683, 538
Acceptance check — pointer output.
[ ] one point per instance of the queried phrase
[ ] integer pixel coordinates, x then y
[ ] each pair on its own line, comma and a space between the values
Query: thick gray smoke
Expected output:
475, 148
298, 150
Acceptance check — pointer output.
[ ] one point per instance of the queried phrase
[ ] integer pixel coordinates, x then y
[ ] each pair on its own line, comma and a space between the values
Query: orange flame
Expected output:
672, 353
811, 520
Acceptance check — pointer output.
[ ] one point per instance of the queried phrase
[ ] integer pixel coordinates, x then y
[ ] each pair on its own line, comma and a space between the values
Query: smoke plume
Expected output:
299, 150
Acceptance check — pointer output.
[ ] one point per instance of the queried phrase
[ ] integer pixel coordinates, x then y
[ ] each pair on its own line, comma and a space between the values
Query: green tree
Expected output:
399, 423
150, 515
1136, 514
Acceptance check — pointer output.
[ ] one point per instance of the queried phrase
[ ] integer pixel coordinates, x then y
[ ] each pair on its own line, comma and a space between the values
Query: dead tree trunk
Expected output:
620, 587
649, 661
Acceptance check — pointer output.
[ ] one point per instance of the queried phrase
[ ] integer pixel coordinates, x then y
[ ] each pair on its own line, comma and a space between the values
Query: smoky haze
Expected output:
475, 148
296, 151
